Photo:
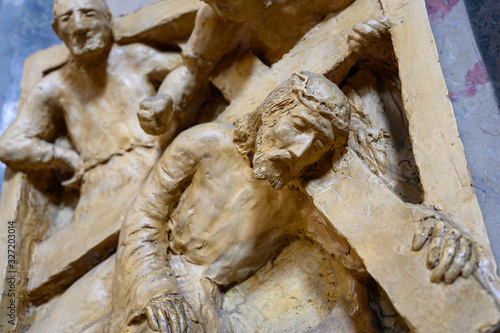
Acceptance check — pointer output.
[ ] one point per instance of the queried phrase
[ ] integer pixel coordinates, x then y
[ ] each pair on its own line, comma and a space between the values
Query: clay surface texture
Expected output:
241, 166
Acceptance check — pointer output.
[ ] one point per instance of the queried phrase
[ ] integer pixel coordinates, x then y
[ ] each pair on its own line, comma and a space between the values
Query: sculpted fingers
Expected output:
190, 312
183, 324
382, 24
422, 234
471, 263
370, 29
438, 233
355, 40
447, 254
365, 34
169, 313
461, 257
450, 252
161, 316
147, 103
175, 316
152, 322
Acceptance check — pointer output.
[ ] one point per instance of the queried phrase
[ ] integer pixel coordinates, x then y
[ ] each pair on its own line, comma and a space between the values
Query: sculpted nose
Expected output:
79, 23
302, 146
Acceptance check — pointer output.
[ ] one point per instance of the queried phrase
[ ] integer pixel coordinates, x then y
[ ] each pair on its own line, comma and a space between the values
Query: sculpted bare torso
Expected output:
98, 107
100, 110
226, 219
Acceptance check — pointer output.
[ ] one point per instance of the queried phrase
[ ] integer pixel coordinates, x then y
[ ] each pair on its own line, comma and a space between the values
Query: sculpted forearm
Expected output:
142, 271
144, 233
142, 253
27, 143
183, 90
29, 154
25, 154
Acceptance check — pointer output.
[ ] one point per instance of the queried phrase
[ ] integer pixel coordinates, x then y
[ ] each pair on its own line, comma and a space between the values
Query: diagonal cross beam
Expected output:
380, 227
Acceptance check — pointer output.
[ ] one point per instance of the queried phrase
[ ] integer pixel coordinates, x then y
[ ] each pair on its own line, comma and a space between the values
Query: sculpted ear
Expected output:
110, 18
55, 27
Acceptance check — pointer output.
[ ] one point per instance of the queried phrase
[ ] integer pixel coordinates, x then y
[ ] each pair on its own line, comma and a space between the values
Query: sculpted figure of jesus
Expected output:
95, 96
218, 206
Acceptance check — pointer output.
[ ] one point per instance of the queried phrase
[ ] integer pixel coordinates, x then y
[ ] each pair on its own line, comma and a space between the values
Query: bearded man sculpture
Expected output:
175, 224
94, 96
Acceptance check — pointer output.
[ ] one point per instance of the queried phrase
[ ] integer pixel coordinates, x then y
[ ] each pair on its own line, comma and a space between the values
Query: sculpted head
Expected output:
293, 128
84, 26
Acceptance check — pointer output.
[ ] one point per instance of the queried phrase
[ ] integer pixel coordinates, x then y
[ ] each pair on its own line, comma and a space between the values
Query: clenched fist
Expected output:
155, 114
368, 34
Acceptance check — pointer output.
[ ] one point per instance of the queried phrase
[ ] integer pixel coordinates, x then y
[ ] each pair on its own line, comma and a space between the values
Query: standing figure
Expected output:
94, 98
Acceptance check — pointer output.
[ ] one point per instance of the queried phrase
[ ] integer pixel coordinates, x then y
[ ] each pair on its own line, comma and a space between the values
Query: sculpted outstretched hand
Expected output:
155, 114
368, 34
169, 313
451, 252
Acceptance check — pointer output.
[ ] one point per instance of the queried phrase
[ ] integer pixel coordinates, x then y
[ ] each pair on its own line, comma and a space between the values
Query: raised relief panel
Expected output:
242, 166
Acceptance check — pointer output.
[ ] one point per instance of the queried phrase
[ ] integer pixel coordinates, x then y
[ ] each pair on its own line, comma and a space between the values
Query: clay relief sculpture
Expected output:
93, 97
308, 200
223, 242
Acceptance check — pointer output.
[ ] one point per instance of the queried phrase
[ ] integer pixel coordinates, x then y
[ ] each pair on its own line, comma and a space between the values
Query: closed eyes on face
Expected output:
89, 13
299, 123
311, 124
65, 17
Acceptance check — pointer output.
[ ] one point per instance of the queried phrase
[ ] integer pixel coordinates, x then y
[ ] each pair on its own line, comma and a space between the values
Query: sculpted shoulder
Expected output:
134, 51
141, 55
51, 87
207, 137
202, 143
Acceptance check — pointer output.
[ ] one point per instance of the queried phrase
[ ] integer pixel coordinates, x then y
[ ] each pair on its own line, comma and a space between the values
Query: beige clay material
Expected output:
364, 188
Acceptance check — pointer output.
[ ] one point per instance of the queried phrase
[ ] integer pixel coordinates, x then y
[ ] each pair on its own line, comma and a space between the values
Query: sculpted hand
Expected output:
169, 313
155, 114
451, 253
74, 182
68, 162
368, 34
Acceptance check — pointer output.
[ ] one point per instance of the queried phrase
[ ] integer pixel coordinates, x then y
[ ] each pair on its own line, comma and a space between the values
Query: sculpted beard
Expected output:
90, 43
276, 167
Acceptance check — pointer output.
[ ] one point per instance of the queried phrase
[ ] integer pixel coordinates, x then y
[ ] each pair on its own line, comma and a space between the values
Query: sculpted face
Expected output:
286, 145
232, 9
83, 25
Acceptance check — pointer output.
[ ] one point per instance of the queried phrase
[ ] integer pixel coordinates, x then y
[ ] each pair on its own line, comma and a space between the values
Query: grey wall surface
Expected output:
120, 7
25, 27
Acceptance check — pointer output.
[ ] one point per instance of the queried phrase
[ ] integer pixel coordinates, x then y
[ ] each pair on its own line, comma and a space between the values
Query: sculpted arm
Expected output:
181, 93
143, 280
26, 144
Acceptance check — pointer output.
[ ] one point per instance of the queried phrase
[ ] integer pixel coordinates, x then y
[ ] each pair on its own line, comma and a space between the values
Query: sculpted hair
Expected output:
280, 100
312, 90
